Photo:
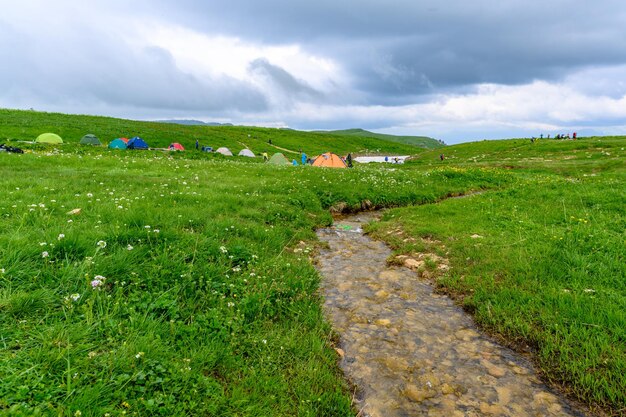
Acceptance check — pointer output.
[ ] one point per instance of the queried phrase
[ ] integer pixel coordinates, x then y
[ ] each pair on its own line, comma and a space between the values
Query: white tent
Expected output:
246, 152
224, 151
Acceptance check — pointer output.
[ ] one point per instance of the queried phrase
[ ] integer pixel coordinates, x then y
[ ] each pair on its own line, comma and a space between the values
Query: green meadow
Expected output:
155, 283
540, 263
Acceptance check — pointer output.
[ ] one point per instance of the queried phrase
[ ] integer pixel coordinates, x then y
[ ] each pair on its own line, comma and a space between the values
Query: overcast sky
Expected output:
455, 70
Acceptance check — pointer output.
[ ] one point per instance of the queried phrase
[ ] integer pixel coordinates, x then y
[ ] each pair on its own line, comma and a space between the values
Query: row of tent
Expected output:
119, 143
90, 139
328, 159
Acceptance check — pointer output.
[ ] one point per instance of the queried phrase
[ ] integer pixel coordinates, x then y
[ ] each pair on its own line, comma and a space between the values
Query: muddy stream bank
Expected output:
411, 352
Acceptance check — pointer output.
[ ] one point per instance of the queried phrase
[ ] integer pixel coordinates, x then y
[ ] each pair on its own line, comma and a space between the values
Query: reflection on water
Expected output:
412, 352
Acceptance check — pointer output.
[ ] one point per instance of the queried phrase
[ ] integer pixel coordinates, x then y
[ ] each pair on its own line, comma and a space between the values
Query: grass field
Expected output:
149, 283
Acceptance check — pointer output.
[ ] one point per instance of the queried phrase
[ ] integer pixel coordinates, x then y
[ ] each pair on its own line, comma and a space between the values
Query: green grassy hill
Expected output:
420, 141
564, 156
27, 125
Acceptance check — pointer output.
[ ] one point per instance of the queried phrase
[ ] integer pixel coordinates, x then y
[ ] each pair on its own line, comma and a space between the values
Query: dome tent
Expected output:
246, 152
224, 151
49, 138
279, 159
117, 144
176, 147
329, 160
90, 139
137, 143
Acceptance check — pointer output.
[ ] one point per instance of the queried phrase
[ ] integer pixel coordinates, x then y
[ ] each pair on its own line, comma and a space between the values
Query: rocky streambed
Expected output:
411, 352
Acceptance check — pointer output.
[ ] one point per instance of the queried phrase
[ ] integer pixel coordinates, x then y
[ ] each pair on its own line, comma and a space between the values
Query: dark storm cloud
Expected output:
98, 67
283, 82
406, 48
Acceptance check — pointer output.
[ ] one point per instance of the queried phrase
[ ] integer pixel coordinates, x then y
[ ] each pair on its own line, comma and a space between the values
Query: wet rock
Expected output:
555, 409
429, 380
396, 364
504, 395
466, 334
494, 370
447, 389
491, 409
382, 294
519, 370
417, 394
382, 322
544, 398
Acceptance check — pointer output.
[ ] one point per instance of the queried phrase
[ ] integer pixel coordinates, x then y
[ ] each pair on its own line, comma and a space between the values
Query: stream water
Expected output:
411, 352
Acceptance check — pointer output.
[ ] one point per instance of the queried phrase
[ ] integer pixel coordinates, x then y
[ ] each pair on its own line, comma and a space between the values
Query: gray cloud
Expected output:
90, 65
407, 48
283, 82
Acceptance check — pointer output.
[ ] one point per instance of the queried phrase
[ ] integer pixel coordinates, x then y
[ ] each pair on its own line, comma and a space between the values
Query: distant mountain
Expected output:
191, 122
420, 141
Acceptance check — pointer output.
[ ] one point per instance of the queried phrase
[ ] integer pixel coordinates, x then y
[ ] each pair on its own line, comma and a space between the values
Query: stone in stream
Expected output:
493, 370
418, 394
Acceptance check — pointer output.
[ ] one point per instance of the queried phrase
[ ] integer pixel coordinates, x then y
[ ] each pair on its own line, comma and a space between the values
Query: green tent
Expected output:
279, 159
49, 138
90, 139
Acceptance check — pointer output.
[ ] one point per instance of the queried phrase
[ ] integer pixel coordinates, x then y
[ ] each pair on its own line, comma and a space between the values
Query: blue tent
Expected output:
117, 144
137, 143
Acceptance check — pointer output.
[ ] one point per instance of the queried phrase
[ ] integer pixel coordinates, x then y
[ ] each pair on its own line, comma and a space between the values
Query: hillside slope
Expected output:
27, 125
420, 141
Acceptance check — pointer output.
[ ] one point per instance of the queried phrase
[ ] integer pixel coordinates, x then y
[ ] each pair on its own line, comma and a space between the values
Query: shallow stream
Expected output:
411, 352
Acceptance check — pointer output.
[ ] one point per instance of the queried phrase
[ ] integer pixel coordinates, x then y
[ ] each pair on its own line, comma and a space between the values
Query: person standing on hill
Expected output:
265, 157
349, 160
197, 144
303, 159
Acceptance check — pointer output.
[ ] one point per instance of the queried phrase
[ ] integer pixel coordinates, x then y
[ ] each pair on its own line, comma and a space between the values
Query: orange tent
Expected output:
176, 147
329, 160
125, 140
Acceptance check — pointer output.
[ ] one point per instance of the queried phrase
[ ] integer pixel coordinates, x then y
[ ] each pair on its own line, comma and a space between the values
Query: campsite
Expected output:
184, 283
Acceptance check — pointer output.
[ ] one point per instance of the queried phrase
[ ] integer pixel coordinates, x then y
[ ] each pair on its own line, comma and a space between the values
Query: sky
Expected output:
455, 70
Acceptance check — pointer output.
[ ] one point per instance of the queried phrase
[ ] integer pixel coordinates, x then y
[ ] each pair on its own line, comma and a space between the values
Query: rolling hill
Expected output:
23, 125
420, 141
